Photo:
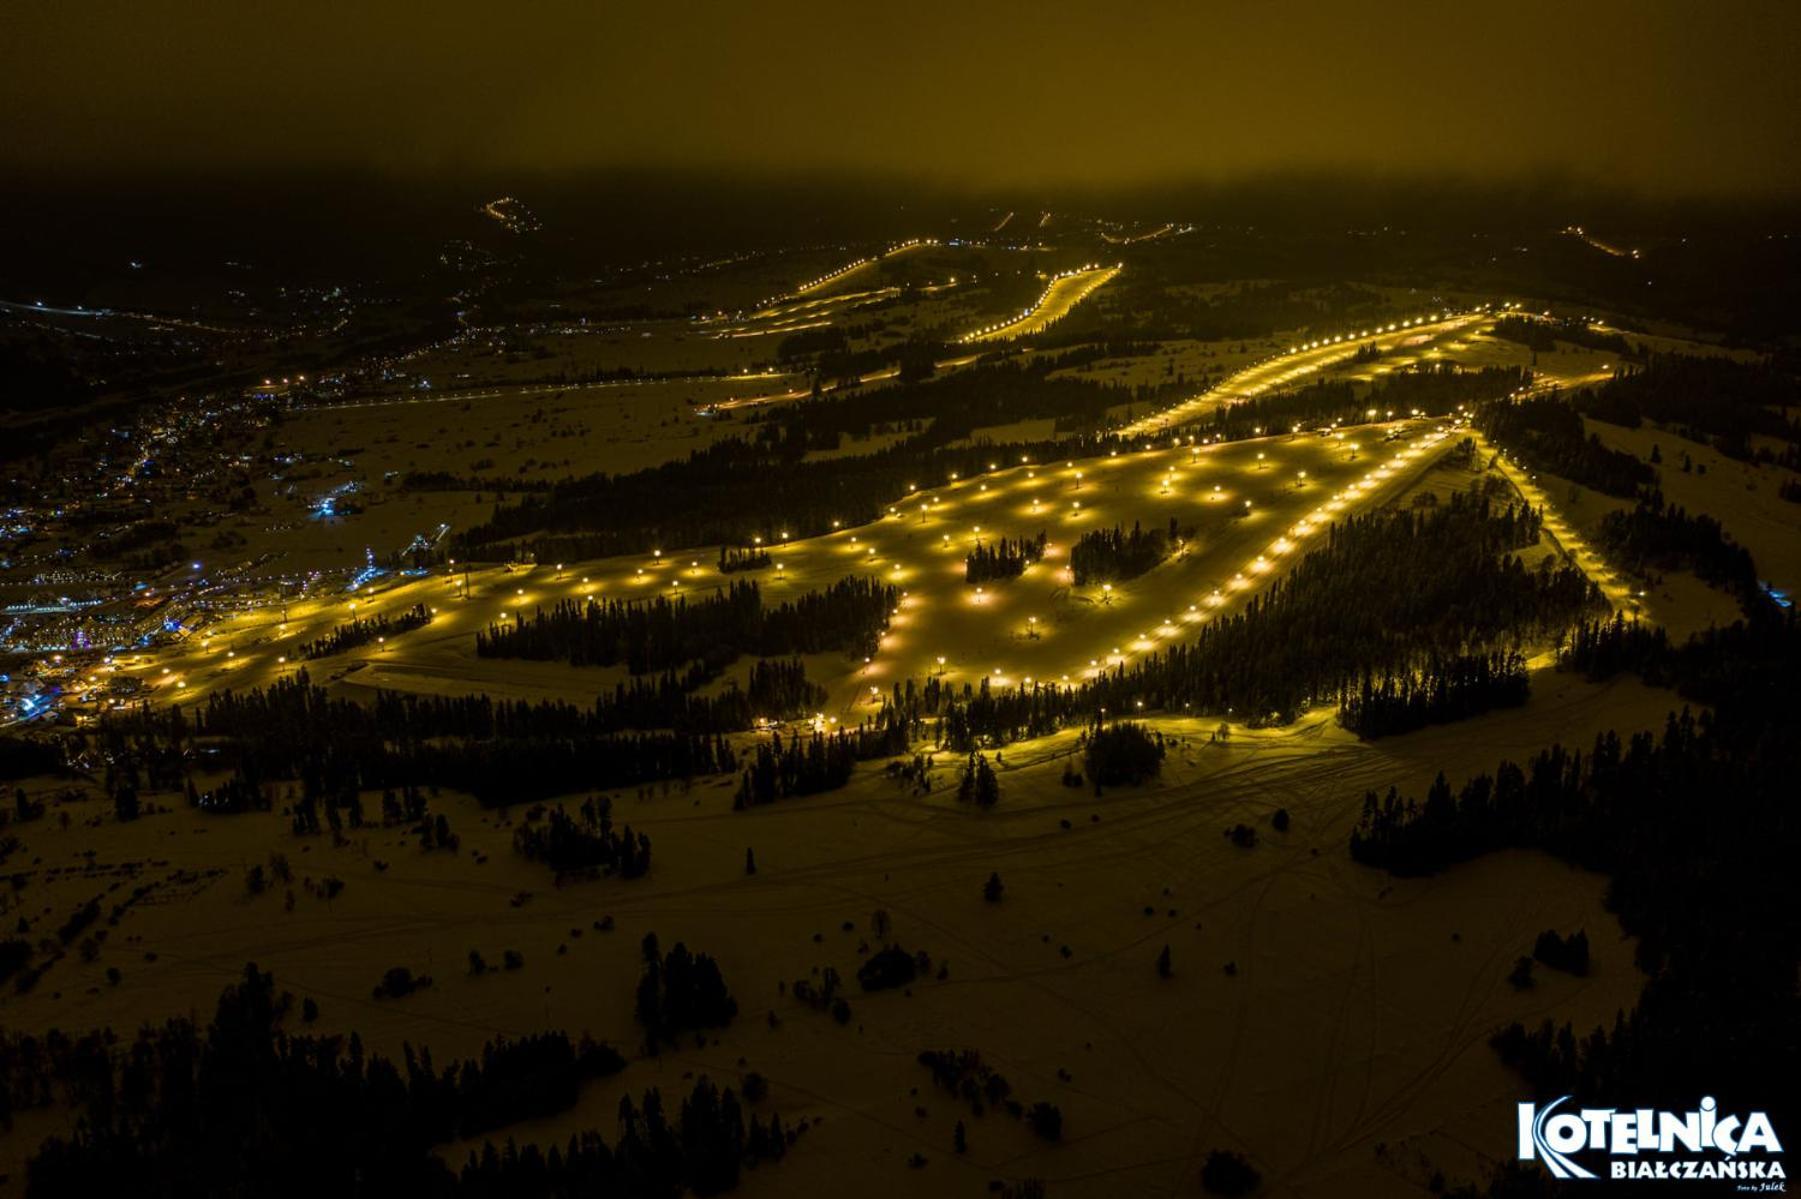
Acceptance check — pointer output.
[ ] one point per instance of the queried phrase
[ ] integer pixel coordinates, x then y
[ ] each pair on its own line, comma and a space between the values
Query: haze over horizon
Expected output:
1660, 99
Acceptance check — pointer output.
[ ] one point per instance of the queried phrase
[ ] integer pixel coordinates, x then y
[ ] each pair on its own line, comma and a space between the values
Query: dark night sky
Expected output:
1671, 98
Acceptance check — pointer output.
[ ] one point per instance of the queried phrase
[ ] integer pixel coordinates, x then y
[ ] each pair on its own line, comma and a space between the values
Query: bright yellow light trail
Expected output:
1060, 297
848, 269
1253, 503
1311, 358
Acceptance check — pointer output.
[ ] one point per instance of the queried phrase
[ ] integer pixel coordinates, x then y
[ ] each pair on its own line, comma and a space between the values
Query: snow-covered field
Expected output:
1326, 1020
1357, 1015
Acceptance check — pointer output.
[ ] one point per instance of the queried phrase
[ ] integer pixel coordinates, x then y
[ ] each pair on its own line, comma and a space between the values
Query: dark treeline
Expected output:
1568, 954
702, 1150
1747, 665
842, 368
660, 634
1114, 554
806, 765
1003, 559
774, 690
236, 794
22, 757
1548, 435
1384, 592
359, 632
1434, 390
503, 772
15, 952
739, 489
733, 559
780, 691
1601, 649
826, 339
978, 784
1067, 352
1656, 536
957, 404
590, 845
1696, 828
1543, 335
680, 991
500, 751
1713, 400
1122, 753
444, 480
1154, 304
1436, 692
239, 1106
568, 376
291, 716
966, 1077
963, 1074
892, 967
731, 492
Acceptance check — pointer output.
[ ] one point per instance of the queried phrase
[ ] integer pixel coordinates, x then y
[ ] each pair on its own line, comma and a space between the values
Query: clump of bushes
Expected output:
399, 981
1123, 753
1228, 1173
